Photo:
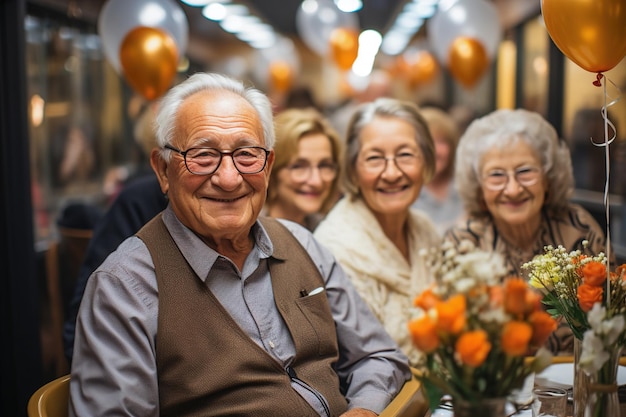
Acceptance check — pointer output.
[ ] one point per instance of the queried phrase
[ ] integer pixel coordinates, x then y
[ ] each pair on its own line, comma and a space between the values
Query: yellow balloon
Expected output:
592, 33
344, 47
467, 60
149, 58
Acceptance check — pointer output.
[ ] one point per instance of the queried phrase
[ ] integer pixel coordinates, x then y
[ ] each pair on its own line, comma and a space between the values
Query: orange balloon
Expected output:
592, 33
149, 58
344, 47
467, 60
422, 69
281, 76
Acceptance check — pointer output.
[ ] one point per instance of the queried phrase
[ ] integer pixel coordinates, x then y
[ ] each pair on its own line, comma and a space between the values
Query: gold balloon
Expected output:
281, 76
149, 58
421, 68
467, 60
592, 33
344, 47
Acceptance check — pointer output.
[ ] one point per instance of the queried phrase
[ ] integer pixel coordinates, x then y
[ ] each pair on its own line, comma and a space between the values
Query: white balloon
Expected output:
471, 18
316, 19
118, 17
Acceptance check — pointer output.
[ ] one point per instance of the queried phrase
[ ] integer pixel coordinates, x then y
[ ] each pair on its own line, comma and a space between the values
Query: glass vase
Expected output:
581, 381
489, 407
595, 394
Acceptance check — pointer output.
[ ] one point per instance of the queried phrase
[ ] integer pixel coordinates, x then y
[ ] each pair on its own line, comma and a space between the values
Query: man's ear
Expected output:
159, 165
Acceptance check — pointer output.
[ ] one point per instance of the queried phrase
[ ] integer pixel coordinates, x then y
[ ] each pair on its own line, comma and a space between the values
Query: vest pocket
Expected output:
317, 312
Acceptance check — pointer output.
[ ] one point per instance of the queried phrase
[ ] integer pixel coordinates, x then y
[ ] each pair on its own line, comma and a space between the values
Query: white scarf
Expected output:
379, 271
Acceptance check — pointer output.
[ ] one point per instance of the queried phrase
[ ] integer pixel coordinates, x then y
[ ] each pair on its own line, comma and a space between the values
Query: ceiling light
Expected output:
198, 3
349, 6
214, 11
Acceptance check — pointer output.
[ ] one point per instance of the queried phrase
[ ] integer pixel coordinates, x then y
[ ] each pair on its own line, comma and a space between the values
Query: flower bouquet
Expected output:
580, 289
477, 328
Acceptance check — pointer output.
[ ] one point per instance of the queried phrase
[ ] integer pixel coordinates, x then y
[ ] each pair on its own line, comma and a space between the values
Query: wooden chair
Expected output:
410, 401
62, 259
51, 400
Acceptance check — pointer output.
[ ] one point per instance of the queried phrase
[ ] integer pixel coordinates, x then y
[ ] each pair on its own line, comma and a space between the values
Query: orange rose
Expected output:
424, 334
496, 296
594, 273
473, 347
451, 314
543, 325
577, 261
427, 299
621, 271
516, 292
588, 295
515, 338
533, 300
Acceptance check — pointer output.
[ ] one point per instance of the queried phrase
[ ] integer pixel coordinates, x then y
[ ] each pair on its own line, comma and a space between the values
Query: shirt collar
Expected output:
200, 257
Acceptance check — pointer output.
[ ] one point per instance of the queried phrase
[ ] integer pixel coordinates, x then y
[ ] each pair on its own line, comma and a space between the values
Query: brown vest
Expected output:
208, 366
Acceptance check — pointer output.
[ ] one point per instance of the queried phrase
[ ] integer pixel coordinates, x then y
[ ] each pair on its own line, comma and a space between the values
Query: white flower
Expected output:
463, 285
596, 315
593, 355
494, 315
611, 329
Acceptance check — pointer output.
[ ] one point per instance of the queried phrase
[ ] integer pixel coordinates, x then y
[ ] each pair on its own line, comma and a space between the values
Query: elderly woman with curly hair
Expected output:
373, 232
515, 178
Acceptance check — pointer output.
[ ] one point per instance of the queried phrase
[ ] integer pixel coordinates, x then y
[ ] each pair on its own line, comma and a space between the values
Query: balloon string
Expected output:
607, 141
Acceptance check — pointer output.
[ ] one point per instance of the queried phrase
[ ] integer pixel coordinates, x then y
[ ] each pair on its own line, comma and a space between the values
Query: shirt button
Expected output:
272, 344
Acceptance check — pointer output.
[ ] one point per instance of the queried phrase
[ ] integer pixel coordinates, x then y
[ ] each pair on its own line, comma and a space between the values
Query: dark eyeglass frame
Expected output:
221, 153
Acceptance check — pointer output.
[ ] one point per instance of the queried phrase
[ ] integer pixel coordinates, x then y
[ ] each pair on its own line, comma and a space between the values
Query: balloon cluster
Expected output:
144, 40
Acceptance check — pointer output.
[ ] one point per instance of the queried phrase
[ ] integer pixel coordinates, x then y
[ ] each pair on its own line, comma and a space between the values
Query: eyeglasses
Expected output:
378, 163
205, 161
302, 171
497, 179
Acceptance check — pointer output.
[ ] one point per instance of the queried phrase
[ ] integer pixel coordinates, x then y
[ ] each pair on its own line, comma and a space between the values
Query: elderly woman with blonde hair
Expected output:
304, 181
373, 232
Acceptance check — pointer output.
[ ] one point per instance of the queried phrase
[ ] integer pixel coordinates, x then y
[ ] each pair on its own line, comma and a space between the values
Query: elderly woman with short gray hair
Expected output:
373, 232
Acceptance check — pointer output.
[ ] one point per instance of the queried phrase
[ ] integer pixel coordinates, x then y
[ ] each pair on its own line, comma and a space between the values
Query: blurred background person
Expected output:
136, 197
304, 181
439, 198
380, 84
515, 178
373, 232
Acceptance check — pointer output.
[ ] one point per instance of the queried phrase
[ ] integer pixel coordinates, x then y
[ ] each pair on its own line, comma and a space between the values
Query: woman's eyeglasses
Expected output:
378, 163
497, 179
302, 171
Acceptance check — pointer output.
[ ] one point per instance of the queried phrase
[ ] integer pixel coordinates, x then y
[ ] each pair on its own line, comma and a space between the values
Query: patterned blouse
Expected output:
568, 229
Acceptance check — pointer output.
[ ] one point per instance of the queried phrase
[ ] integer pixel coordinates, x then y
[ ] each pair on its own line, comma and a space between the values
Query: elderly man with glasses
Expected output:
209, 310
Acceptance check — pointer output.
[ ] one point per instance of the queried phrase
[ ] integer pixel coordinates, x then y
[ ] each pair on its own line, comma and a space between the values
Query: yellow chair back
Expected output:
51, 400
